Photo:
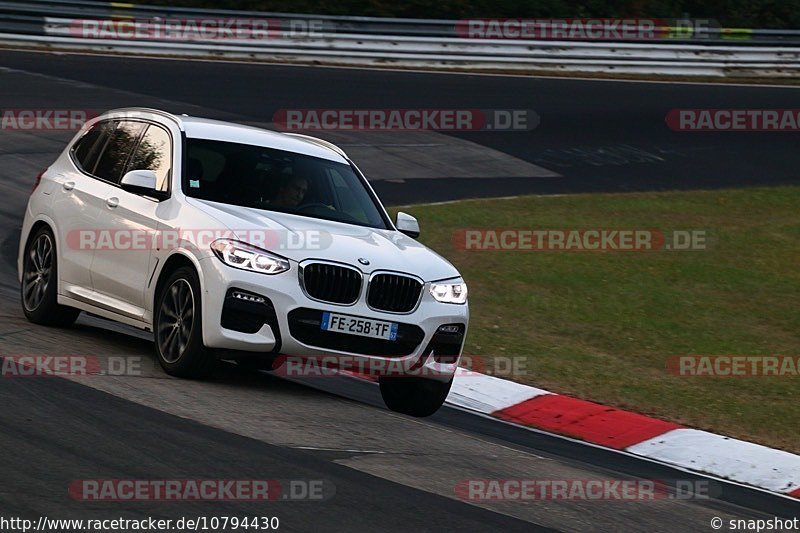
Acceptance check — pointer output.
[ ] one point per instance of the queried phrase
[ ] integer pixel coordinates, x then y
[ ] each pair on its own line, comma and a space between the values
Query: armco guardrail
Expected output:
348, 24
394, 42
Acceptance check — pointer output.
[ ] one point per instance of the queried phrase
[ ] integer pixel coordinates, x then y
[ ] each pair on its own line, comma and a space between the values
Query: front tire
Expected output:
414, 396
178, 328
39, 288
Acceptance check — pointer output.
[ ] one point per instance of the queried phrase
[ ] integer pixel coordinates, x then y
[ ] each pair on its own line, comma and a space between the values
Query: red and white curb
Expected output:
701, 451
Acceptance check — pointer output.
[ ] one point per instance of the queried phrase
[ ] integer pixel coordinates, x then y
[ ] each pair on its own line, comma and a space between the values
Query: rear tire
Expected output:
39, 287
414, 396
177, 327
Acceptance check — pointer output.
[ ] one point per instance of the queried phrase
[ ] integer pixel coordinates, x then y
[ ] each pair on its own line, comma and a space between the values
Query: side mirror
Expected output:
141, 182
407, 224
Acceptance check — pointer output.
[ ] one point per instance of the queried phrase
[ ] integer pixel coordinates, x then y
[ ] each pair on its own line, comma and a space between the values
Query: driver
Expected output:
291, 193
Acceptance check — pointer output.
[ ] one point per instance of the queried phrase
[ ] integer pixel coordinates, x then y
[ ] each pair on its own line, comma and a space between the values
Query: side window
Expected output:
91, 144
204, 166
118, 149
154, 153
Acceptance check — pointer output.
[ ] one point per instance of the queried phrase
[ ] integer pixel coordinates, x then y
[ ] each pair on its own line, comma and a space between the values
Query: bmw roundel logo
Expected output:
363, 261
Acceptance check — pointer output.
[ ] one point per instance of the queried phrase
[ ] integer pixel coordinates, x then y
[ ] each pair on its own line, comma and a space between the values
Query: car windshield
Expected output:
276, 180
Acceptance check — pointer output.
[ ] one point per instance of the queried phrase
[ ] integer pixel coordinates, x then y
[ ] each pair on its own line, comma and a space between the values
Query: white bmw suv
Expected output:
234, 242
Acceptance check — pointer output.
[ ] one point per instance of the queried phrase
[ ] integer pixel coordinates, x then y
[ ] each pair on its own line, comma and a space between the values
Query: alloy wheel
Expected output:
176, 319
37, 272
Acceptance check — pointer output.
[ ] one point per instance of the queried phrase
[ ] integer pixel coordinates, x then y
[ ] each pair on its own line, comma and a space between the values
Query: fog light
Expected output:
248, 297
450, 328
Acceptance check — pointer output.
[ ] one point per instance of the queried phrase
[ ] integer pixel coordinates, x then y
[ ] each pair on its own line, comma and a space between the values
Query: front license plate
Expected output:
365, 327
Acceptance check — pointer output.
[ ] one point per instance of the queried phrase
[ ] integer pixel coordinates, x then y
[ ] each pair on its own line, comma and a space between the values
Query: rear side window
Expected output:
89, 146
117, 150
154, 153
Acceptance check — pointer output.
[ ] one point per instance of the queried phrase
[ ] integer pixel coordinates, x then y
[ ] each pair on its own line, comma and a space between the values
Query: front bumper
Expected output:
293, 328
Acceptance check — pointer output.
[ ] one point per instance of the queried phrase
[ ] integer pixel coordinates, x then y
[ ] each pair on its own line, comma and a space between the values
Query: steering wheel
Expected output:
339, 216
314, 205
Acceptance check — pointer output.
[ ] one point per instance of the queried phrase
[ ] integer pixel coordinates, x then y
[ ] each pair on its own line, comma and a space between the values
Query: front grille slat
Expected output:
321, 280
334, 289
406, 290
332, 283
394, 293
340, 284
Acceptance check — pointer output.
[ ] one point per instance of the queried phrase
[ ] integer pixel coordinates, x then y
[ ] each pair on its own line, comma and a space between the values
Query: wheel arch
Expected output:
175, 261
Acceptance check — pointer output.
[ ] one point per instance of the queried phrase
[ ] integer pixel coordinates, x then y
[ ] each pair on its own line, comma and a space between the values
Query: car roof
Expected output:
203, 128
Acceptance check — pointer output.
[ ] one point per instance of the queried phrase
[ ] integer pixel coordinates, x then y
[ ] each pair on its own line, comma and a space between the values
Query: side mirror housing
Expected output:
141, 182
407, 224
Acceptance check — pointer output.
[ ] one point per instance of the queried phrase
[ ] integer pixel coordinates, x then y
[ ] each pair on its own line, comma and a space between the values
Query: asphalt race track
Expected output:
593, 135
382, 471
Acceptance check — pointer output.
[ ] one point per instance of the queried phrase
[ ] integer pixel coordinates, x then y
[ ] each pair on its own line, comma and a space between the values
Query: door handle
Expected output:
69, 185
112, 202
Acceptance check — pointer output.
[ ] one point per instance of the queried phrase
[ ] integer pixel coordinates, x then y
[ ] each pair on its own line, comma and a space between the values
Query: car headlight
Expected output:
241, 255
450, 293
